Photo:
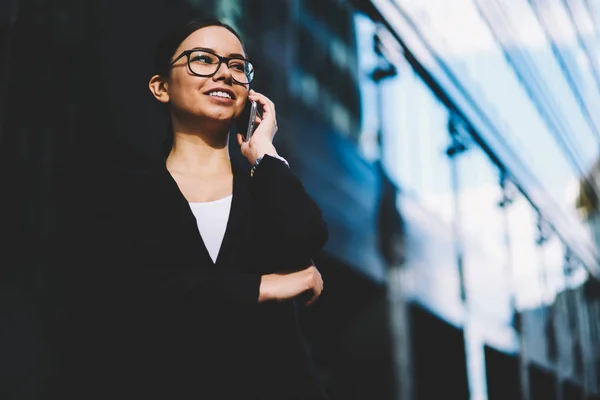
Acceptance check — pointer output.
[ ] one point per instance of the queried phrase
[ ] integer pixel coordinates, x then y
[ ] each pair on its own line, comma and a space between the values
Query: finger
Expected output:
268, 106
240, 139
314, 298
244, 147
318, 277
316, 290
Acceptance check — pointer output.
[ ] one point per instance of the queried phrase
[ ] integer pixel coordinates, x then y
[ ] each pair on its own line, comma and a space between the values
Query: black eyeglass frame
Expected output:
220, 58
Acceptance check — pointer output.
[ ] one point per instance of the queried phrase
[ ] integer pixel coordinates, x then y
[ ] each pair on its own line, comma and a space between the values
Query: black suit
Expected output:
161, 320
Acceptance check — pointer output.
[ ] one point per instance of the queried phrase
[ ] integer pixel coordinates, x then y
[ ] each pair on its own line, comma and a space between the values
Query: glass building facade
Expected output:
488, 130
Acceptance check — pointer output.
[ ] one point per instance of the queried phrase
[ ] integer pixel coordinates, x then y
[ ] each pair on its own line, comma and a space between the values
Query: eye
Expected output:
201, 57
238, 65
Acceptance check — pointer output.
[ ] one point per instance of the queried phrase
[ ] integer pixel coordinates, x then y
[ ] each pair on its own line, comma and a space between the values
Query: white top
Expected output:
212, 218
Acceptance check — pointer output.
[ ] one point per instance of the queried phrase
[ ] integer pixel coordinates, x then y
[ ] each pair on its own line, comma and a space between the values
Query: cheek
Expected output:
181, 99
185, 84
184, 92
241, 103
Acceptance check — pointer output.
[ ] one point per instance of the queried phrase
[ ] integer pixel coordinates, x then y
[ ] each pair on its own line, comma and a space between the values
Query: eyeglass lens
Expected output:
204, 63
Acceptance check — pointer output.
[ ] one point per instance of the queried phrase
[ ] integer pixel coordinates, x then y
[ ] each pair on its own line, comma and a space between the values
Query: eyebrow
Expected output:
214, 51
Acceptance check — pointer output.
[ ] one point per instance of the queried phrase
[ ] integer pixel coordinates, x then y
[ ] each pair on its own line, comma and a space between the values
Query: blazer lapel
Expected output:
240, 205
186, 226
185, 221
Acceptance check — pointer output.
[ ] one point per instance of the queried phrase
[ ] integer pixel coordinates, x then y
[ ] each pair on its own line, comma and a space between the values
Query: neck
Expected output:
199, 152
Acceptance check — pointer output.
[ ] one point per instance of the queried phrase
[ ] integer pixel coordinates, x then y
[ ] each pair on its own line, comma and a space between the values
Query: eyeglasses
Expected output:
206, 63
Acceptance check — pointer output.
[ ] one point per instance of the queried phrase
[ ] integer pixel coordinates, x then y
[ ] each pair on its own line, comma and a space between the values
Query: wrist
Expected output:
259, 159
262, 150
264, 291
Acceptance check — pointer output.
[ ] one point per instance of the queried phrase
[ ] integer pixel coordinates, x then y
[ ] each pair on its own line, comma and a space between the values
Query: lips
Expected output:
222, 90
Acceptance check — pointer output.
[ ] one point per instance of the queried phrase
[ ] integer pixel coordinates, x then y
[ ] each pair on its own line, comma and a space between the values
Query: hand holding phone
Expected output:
259, 114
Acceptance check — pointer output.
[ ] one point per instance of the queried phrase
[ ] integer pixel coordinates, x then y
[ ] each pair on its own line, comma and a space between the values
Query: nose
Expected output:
223, 72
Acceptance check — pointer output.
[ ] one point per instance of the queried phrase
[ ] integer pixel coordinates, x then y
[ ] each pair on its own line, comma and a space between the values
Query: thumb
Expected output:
240, 139
243, 146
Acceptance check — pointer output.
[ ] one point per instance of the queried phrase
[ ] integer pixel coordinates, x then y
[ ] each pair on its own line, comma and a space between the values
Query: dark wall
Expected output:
502, 371
43, 114
348, 330
572, 391
75, 88
542, 383
439, 358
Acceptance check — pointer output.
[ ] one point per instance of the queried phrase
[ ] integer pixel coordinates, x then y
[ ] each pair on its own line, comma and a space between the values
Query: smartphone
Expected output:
252, 117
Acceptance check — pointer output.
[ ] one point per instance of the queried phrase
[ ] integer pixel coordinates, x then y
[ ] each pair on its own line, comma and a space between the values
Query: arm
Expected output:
290, 218
285, 211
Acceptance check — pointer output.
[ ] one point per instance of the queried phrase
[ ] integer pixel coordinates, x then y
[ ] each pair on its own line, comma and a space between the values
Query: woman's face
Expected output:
194, 95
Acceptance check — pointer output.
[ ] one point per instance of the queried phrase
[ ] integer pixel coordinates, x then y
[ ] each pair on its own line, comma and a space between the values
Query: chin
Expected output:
217, 120
221, 117
217, 114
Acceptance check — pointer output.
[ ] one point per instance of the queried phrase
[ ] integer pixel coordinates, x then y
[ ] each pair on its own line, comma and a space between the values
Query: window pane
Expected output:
525, 264
527, 94
553, 261
416, 138
483, 227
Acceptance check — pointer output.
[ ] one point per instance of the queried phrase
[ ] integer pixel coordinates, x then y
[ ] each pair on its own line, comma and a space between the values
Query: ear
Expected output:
159, 88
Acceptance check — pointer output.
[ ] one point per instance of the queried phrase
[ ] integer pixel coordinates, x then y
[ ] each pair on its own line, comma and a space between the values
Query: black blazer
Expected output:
161, 320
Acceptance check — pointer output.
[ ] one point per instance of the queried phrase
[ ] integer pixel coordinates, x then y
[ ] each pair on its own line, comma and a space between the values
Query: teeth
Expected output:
220, 94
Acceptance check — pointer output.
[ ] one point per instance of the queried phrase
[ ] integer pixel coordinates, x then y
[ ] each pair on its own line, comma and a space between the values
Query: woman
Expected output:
202, 265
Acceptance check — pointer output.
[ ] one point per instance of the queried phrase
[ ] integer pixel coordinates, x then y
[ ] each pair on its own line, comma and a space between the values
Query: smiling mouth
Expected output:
220, 94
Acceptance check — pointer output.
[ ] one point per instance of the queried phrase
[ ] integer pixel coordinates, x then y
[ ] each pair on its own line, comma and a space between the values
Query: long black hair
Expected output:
165, 51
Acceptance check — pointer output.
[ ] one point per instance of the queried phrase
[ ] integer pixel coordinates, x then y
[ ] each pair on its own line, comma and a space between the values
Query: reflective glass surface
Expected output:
526, 64
526, 270
415, 142
531, 69
483, 228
